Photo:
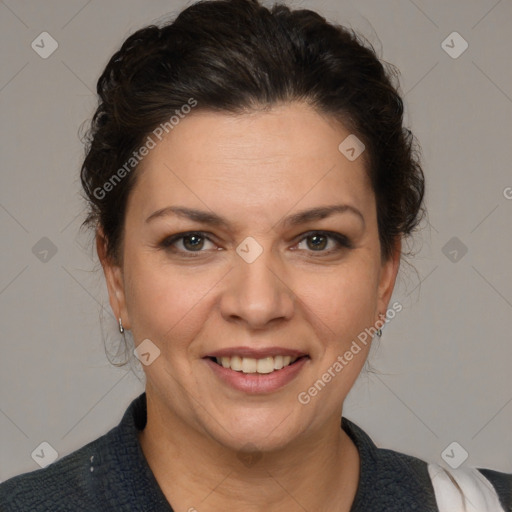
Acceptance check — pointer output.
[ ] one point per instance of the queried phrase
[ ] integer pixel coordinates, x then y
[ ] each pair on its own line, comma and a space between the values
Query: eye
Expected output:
191, 241
319, 241
194, 241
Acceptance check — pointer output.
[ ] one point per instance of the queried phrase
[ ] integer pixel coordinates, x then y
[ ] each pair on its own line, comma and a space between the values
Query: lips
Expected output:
256, 370
252, 378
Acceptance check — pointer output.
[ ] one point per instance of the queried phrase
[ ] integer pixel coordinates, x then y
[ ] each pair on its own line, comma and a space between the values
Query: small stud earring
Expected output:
121, 328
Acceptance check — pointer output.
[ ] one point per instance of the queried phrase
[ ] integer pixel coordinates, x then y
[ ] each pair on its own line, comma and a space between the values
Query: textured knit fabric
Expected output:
111, 474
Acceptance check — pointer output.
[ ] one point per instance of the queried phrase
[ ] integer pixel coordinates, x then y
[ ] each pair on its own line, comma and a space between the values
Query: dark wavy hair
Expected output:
239, 56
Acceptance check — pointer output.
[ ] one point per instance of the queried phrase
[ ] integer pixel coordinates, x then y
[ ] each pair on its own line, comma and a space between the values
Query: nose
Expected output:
257, 292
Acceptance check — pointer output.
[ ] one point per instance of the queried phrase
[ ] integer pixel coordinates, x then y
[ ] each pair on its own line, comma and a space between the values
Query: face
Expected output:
251, 279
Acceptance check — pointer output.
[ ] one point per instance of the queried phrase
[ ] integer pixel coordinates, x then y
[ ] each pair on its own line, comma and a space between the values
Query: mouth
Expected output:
257, 371
252, 365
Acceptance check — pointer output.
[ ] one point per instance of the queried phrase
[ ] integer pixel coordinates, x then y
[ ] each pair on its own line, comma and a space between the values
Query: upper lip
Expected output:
256, 353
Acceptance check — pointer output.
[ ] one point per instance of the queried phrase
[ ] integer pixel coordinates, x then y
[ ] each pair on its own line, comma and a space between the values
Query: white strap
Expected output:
463, 490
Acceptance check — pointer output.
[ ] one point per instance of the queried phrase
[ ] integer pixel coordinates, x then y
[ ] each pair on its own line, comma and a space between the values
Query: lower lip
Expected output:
255, 383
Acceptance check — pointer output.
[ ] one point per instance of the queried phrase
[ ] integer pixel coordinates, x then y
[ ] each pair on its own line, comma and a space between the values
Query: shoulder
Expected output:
53, 486
107, 474
62, 486
391, 480
475, 489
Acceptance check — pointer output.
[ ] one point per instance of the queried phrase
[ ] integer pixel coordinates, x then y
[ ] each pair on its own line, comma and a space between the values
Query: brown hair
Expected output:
237, 56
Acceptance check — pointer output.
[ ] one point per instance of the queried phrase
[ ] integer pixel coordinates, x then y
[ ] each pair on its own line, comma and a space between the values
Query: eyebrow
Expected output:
204, 217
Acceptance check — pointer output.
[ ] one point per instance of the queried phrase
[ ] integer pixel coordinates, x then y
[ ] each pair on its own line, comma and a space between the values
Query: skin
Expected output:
254, 170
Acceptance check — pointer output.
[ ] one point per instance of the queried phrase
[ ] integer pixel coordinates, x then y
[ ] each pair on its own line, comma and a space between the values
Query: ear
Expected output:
114, 279
387, 279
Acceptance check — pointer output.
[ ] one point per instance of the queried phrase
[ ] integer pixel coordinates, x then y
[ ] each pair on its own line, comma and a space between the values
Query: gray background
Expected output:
443, 362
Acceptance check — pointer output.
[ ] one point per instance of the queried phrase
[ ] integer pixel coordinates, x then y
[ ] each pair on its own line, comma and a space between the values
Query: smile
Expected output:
259, 371
251, 365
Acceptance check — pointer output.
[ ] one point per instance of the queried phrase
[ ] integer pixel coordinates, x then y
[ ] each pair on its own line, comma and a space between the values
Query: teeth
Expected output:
278, 362
235, 363
251, 365
265, 365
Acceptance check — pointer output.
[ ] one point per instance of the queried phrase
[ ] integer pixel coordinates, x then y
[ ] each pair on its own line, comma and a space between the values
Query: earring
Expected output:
379, 331
121, 328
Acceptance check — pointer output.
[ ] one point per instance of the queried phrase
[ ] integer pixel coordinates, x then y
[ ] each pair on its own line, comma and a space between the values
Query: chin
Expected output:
261, 430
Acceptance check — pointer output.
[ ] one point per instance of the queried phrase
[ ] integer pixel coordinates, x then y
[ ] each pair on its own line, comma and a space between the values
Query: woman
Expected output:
250, 183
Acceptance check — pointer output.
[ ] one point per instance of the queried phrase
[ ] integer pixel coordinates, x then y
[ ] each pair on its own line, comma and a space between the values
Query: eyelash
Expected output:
342, 241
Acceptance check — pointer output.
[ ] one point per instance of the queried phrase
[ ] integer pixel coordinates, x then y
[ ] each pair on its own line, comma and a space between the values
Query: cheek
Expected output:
165, 303
342, 301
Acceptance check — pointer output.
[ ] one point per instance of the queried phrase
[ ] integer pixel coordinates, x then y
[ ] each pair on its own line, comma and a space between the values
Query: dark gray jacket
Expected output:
111, 474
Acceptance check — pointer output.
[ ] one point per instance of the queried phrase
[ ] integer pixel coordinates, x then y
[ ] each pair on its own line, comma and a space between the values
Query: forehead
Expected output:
252, 162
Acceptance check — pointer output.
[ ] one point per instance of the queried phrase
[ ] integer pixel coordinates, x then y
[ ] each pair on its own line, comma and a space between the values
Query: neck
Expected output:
320, 472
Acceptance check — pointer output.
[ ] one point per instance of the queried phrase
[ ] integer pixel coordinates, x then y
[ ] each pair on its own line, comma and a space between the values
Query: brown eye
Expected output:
191, 242
317, 241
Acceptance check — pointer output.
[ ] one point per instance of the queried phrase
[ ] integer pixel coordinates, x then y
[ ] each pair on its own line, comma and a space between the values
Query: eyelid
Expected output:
341, 240
169, 242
